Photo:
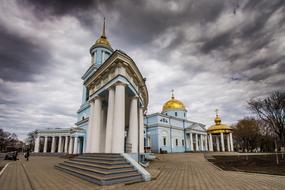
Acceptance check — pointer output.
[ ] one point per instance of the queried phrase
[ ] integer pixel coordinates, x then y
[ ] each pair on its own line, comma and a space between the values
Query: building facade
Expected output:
171, 131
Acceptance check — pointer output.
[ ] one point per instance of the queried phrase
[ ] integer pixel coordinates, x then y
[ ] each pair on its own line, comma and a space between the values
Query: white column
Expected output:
231, 142
37, 144
90, 127
187, 142
66, 144
96, 128
211, 142
191, 142
222, 142
133, 125
103, 130
70, 145
119, 120
197, 147
141, 129
206, 143
45, 144
110, 117
202, 142
75, 145
218, 143
53, 144
59, 150
228, 143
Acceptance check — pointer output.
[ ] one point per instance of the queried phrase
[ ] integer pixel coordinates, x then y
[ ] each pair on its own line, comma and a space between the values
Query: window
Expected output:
83, 118
165, 113
164, 141
175, 113
87, 95
176, 141
182, 142
184, 114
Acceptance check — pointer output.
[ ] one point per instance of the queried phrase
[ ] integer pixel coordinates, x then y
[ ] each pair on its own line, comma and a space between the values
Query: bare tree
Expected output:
7, 139
31, 139
272, 111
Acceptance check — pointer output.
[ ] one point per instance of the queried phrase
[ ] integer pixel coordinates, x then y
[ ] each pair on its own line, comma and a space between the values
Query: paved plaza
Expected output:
172, 171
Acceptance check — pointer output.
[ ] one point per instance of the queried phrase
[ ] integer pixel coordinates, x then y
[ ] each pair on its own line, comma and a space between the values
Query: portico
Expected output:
116, 112
62, 141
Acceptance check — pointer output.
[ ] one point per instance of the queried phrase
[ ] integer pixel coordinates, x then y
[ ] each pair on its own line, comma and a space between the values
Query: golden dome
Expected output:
173, 104
103, 41
219, 127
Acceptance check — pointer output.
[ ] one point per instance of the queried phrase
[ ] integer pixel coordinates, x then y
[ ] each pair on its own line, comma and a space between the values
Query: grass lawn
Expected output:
265, 164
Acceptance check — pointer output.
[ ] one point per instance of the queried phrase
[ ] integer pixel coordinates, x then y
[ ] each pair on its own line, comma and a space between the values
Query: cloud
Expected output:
214, 53
20, 57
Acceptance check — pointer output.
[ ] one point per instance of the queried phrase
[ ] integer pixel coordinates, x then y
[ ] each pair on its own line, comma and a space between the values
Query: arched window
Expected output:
164, 141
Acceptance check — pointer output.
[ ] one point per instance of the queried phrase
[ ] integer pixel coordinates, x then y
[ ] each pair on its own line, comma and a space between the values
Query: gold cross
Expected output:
172, 93
217, 111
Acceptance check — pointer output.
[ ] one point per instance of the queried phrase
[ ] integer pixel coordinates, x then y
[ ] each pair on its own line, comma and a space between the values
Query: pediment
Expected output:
119, 60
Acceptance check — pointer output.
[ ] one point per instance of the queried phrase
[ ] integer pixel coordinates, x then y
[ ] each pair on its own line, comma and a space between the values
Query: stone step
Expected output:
102, 180
98, 166
105, 158
102, 162
99, 171
109, 155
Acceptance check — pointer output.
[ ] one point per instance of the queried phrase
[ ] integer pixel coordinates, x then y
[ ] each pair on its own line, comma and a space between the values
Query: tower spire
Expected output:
172, 94
103, 32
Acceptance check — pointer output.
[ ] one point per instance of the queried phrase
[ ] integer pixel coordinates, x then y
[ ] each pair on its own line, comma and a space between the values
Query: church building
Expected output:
171, 130
110, 118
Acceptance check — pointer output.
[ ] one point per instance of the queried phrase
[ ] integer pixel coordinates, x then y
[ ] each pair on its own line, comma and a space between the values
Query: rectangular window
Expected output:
175, 113
182, 142
87, 95
176, 141
164, 141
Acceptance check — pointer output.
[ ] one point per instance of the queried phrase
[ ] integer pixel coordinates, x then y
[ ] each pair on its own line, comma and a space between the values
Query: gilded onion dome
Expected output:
173, 104
103, 41
219, 127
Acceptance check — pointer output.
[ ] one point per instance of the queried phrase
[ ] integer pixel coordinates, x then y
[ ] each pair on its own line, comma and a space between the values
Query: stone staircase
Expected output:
101, 169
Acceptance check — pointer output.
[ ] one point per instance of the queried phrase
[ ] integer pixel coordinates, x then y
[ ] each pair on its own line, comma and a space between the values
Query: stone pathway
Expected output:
177, 171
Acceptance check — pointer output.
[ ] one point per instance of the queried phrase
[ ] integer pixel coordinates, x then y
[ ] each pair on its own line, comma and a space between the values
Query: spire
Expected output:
172, 94
103, 41
103, 32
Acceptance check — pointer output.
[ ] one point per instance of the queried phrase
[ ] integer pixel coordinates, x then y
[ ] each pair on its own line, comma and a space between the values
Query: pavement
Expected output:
171, 171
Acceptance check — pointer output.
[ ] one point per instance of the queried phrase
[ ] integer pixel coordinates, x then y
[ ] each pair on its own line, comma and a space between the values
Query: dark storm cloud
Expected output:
138, 22
261, 11
20, 57
220, 41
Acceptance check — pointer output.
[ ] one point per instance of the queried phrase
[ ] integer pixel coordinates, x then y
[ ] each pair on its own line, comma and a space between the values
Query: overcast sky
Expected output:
215, 54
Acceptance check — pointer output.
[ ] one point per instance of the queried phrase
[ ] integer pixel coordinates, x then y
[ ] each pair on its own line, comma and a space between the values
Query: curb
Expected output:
2, 171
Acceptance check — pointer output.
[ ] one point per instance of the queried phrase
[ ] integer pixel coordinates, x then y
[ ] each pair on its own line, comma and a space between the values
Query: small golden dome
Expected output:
173, 104
103, 41
219, 127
